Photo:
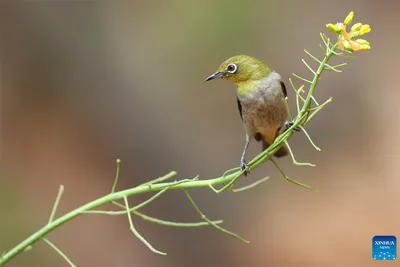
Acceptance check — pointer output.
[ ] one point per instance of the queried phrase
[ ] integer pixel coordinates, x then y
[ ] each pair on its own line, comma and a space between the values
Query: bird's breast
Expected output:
263, 111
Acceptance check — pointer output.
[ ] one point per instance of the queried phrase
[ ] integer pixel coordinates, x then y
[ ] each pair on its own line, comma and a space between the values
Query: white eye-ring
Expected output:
232, 68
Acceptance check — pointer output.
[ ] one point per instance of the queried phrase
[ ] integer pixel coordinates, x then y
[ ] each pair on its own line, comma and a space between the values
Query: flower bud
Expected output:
365, 47
347, 46
349, 18
362, 41
332, 28
356, 27
355, 34
335, 28
365, 29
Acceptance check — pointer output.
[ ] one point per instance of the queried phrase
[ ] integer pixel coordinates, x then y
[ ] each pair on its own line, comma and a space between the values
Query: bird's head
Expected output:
240, 69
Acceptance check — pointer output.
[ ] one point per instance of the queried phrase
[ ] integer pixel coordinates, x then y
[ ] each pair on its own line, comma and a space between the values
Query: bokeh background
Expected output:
86, 82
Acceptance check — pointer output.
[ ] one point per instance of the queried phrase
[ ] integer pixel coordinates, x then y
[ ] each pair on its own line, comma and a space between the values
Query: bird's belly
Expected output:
263, 117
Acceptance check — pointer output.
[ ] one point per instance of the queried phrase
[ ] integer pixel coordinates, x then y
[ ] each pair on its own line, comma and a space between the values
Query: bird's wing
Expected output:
240, 108
284, 89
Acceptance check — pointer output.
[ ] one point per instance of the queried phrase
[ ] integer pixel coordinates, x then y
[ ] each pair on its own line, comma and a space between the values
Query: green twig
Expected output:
323, 49
174, 224
295, 162
149, 218
301, 78
136, 233
229, 185
316, 110
250, 186
297, 95
309, 138
230, 171
308, 66
287, 177
313, 57
116, 176
211, 222
58, 251
141, 205
288, 109
297, 91
160, 179
55, 206
315, 100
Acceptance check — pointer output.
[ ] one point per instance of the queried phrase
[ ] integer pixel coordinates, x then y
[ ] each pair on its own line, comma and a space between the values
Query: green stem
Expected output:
329, 53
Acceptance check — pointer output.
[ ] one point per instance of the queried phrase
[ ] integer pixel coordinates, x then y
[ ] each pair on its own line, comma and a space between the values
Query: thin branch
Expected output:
315, 100
174, 224
158, 194
58, 251
323, 49
317, 109
328, 67
287, 177
339, 65
148, 201
136, 233
297, 91
161, 179
297, 94
141, 205
287, 108
301, 78
116, 176
308, 66
310, 55
230, 184
211, 222
334, 68
149, 218
295, 162
323, 36
55, 206
309, 138
250, 186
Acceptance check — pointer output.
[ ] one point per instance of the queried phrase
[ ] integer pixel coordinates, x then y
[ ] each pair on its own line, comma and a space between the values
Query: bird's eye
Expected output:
232, 68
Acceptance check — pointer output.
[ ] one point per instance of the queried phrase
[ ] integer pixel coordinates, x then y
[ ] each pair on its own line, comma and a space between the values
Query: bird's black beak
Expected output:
214, 76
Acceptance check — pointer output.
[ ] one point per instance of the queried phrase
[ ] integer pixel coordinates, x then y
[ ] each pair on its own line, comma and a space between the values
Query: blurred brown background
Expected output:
86, 82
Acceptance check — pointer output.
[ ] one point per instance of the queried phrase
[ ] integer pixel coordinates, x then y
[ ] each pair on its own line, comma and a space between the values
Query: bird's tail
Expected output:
280, 153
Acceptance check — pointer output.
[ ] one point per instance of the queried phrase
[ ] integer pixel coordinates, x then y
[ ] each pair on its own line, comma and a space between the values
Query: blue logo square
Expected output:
384, 247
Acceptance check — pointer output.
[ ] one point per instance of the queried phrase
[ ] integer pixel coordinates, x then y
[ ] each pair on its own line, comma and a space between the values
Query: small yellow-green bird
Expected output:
260, 99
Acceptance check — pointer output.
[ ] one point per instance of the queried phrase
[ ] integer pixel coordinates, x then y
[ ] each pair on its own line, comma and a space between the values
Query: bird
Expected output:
261, 97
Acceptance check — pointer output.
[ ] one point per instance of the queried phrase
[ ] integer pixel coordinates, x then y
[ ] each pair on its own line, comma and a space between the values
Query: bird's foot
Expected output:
244, 167
289, 124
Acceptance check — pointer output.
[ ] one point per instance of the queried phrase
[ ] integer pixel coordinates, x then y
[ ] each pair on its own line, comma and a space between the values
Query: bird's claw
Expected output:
289, 124
245, 168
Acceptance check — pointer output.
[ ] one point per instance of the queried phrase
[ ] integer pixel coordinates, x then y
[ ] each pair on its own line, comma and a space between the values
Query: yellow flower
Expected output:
345, 39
